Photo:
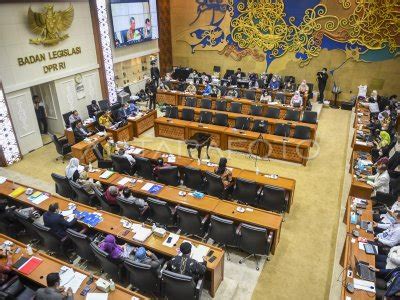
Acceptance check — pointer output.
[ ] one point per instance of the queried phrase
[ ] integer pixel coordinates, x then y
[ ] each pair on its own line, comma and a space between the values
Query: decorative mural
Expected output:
366, 30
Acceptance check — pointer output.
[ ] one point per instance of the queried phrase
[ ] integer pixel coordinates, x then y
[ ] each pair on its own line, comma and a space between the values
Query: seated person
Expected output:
232, 93
290, 85
303, 88
132, 108
381, 115
185, 265
5, 269
111, 194
148, 258
74, 117
239, 74
123, 112
159, 164
108, 148
386, 121
106, 120
274, 83
253, 83
88, 184
56, 222
385, 263
373, 106
109, 245
380, 144
207, 90
53, 290
73, 169
123, 153
224, 172
297, 100
127, 194
391, 236
81, 132
205, 78
379, 181
193, 74
191, 88
215, 91
374, 125
164, 85
233, 80
265, 97
93, 109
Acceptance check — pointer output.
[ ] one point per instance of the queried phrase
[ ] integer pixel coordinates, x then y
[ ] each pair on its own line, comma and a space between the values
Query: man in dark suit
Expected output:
322, 78
93, 108
56, 222
123, 112
53, 291
81, 132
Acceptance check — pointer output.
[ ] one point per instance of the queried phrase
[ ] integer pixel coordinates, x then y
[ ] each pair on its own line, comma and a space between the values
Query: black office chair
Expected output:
169, 176
27, 224
160, 212
101, 162
223, 90
190, 221
242, 123
205, 117
81, 195
221, 119
188, 114
302, 132
310, 117
130, 210
81, 245
214, 185
193, 178
104, 104
14, 288
280, 97
249, 94
143, 277
180, 287
222, 232
103, 202
274, 199
66, 118
122, 165
62, 186
282, 130
171, 112
272, 112
205, 103
260, 126
220, 105
255, 241
62, 146
256, 110
292, 115
236, 107
144, 168
190, 101
246, 191
108, 265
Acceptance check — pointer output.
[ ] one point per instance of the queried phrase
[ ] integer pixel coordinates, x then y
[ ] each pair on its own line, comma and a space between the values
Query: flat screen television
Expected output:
134, 21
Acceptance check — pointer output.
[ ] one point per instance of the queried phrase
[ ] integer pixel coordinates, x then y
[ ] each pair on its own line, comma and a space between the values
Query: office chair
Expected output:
256, 110
273, 199
143, 277
223, 90
66, 118
302, 132
81, 195
220, 105
310, 117
101, 162
236, 107
27, 224
169, 176
180, 287
255, 241
280, 97
205, 117
205, 103
14, 288
272, 112
190, 101
222, 232
62, 186
109, 266
282, 130
260, 126
81, 245
104, 204
246, 191
160, 212
130, 210
193, 178
292, 115
242, 123
190, 221
214, 185
122, 165
144, 168
249, 94
385, 198
221, 119
62, 146
104, 104
171, 112
188, 114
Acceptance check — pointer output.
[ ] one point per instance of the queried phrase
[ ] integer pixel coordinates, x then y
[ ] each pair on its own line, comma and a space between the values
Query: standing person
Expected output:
154, 72
322, 78
151, 90
40, 114
93, 109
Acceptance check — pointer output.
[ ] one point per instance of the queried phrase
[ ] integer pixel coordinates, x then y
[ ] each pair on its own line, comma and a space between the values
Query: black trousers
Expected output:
42, 125
321, 89
152, 102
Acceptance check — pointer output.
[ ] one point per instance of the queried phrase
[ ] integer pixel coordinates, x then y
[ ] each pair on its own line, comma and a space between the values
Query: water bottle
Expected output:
90, 167
112, 285
29, 249
153, 227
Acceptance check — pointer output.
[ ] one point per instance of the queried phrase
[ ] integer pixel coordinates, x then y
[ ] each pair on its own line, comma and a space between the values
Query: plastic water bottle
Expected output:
112, 285
90, 167
153, 227
29, 249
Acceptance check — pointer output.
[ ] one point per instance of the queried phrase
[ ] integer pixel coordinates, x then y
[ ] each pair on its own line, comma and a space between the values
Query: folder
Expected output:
29, 266
18, 191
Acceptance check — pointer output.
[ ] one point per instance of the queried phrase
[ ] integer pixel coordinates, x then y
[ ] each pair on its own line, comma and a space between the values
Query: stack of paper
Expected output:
97, 296
171, 159
199, 252
2, 179
142, 234
124, 181
147, 186
137, 151
107, 174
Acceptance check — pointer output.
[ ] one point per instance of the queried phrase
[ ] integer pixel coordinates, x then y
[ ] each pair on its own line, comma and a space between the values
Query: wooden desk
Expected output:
112, 225
167, 97
358, 188
124, 133
359, 145
51, 264
143, 123
171, 128
218, 137
83, 150
69, 134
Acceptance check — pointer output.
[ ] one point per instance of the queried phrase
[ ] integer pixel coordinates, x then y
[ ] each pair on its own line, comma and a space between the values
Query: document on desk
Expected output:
199, 252
142, 234
66, 276
75, 282
361, 143
2, 179
39, 199
364, 285
171, 159
147, 186
107, 174
97, 296
66, 213
137, 151
361, 247
173, 239
124, 181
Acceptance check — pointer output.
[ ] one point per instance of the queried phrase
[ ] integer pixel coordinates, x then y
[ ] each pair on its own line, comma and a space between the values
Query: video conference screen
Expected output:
134, 21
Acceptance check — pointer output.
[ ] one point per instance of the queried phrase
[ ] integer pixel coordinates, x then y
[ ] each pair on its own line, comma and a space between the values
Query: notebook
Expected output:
30, 265
107, 174
18, 191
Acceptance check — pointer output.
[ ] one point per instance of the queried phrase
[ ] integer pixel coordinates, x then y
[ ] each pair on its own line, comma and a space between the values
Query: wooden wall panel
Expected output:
164, 41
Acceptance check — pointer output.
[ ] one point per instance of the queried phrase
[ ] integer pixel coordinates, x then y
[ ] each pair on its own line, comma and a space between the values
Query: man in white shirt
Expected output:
391, 236
380, 181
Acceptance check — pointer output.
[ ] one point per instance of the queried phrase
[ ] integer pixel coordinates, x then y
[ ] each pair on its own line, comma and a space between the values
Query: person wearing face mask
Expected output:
265, 97
297, 100
56, 222
274, 84
322, 78
303, 88
108, 148
379, 181
191, 88
207, 90
387, 216
105, 120
289, 85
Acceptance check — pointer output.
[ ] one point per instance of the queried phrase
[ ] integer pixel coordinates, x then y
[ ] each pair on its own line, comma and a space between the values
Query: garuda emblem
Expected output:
49, 24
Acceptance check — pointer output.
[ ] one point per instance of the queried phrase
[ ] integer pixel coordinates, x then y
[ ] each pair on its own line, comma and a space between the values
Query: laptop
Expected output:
370, 249
363, 271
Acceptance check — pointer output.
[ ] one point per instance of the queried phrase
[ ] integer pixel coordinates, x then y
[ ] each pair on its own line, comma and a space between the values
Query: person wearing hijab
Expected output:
274, 84
207, 90
108, 148
109, 245
148, 258
73, 169
224, 172
105, 120
191, 88
297, 100
303, 88
380, 144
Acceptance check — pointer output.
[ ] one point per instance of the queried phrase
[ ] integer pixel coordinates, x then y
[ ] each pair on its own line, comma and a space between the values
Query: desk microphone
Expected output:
201, 117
